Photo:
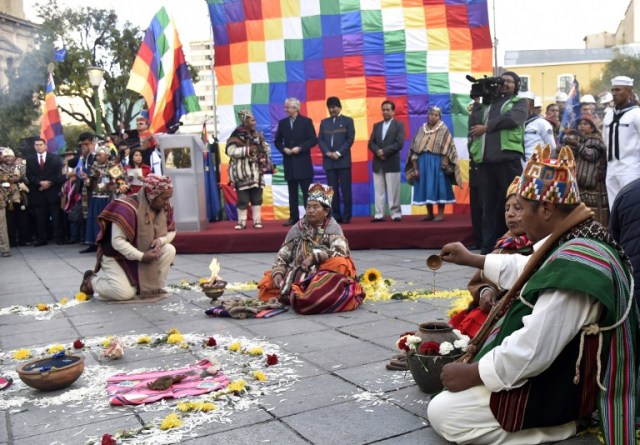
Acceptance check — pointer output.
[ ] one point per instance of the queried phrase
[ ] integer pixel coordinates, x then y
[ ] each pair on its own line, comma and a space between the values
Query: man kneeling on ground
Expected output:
134, 250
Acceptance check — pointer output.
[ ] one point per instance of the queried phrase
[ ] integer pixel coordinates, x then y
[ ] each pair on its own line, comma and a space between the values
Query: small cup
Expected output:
434, 262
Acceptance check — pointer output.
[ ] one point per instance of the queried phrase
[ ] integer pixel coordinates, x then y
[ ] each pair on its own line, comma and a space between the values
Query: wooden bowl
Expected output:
214, 290
51, 373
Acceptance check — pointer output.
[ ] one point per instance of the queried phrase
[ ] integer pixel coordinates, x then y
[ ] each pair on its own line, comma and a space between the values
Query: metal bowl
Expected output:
214, 290
51, 373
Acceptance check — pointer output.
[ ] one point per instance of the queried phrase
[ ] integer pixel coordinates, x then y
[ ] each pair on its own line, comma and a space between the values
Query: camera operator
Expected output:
497, 130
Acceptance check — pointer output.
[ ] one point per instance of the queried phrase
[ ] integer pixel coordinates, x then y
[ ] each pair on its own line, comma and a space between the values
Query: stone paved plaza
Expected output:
340, 393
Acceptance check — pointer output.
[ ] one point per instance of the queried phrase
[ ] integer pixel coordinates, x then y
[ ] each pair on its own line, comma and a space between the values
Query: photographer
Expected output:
496, 129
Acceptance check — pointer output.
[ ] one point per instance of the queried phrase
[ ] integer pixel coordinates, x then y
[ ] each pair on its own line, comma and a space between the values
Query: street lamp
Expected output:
95, 79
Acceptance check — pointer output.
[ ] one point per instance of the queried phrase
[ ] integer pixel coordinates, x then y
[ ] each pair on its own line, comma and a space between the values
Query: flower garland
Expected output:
45, 311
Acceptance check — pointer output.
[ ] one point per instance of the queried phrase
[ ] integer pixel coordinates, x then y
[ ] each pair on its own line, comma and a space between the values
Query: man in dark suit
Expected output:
335, 138
386, 142
44, 171
295, 137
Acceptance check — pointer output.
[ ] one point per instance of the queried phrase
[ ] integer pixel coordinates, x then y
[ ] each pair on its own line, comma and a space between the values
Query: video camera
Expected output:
487, 88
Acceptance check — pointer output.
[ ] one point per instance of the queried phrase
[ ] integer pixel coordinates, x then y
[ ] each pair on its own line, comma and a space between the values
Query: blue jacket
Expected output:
343, 133
624, 227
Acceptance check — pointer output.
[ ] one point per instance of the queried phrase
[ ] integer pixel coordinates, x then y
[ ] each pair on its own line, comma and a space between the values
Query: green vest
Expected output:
510, 139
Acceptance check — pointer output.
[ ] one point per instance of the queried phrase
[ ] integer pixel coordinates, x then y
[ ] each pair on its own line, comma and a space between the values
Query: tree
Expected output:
622, 64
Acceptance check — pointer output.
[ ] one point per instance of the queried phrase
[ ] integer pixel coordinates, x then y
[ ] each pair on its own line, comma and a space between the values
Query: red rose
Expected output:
78, 344
402, 344
272, 359
211, 342
108, 439
429, 348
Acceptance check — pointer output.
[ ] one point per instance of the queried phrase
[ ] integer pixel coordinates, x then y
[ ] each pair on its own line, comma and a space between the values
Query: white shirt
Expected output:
629, 143
557, 317
129, 251
385, 127
156, 163
537, 131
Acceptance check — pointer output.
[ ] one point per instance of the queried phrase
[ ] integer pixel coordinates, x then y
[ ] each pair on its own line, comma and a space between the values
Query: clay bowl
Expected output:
51, 373
434, 262
214, 290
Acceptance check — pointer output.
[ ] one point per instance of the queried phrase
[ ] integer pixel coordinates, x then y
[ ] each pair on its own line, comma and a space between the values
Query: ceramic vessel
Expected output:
51, 373
214, 290
426, 370
437, 331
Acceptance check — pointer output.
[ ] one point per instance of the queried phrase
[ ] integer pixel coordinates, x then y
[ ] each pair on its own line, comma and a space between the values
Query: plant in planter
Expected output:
426, 358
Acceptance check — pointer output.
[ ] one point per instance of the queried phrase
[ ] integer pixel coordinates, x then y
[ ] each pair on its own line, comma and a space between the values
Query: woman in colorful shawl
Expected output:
591, 167
249, 160
485, 293
313, 270
433, 151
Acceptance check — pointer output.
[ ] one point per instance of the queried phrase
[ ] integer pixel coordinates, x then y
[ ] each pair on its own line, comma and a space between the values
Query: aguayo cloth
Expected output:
244, 307
141, 226
584, 262
132, 389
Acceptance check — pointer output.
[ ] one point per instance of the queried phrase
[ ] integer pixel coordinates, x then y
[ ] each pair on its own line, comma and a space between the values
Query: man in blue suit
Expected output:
335, 138
295, 137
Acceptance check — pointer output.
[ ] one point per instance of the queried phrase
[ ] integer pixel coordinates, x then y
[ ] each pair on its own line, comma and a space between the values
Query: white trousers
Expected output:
112, 284
386, 187
465, 417
615, 184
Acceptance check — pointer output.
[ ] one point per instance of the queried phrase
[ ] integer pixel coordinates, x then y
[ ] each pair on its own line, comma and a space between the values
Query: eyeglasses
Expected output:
509, 81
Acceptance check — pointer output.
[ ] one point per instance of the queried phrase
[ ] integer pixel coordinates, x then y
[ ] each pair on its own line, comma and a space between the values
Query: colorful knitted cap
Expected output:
551, 180
320, 193
513, 188
244, 114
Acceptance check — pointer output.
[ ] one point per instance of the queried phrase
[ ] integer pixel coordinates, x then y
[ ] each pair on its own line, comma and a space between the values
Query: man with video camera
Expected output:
496, 131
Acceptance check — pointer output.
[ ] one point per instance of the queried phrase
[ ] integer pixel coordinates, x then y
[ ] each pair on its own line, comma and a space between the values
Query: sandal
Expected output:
257, 225
6, 254
86, 282
240, 226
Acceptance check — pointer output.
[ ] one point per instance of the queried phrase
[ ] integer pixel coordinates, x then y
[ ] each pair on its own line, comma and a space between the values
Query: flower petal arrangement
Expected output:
410, 342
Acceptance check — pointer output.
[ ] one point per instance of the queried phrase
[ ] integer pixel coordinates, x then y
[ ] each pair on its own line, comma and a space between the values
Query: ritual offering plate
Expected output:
52, 373
214, 290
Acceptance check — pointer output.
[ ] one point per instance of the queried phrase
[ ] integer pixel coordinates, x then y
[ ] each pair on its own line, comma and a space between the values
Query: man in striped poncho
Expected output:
538, 371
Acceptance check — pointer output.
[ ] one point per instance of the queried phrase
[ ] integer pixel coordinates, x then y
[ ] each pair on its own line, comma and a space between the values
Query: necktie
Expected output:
291, 122
41, 162
334, 123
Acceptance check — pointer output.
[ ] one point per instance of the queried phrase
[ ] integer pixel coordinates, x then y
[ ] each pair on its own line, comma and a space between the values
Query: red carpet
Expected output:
220, 237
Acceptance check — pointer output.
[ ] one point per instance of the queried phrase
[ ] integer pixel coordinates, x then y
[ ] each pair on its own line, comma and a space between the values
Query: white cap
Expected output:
526, 95
622, 81
608, 97
561, 96
587, 99
537, 102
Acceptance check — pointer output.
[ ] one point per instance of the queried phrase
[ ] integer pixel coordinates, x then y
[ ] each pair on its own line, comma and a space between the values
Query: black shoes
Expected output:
288, 222
397, 219
39, 243
92, 248
377, 220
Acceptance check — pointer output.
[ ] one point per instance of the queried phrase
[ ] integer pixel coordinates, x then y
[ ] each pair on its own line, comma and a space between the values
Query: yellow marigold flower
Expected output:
184, 345
260, 376
81, 296
54, 349
256, 350
195, 406
235, 346
143, 340
237, 386
173, 331
175, 339
171, 421
203, 280
22, 354
372, 276
42, 307
64, 301
107, 341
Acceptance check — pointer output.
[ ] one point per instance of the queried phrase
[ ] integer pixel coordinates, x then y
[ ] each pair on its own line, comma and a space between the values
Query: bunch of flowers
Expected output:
410, 342
375, 287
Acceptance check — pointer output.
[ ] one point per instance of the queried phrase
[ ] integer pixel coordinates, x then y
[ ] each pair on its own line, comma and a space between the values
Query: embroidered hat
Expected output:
320, 193
154, 185
622, 81
244, 114
551, 180
513, 187
6, 151
103, 149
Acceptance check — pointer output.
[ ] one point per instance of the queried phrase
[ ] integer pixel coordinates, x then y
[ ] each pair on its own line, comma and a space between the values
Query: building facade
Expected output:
17, 36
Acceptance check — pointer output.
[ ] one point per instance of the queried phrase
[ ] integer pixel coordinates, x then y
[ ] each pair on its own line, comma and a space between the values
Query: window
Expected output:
564, 82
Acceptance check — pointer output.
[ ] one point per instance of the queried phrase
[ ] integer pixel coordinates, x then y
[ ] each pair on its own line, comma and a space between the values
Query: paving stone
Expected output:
365, 423
374, 377
29, 339
272, 431
381, 328
285, 328
420, 437
340, 357
314, 341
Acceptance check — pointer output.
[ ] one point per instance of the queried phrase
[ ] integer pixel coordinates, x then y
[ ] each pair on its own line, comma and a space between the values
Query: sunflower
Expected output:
371, 276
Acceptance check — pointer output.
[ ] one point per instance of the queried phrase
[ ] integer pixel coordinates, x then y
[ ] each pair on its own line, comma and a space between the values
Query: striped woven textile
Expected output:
326, 292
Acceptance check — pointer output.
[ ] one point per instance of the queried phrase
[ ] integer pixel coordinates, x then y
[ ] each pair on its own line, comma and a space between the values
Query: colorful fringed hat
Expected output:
513, 188
552, 180
244, 114
321, 193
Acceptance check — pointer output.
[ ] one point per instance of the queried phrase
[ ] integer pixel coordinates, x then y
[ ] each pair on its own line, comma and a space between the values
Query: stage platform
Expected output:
220, 237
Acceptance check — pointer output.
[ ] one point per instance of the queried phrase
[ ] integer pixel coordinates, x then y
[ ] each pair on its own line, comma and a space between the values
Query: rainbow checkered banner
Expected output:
51, 128
160, 74
413, 52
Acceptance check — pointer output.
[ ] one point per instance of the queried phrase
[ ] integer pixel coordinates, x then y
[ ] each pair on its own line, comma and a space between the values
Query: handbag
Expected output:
411, 172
